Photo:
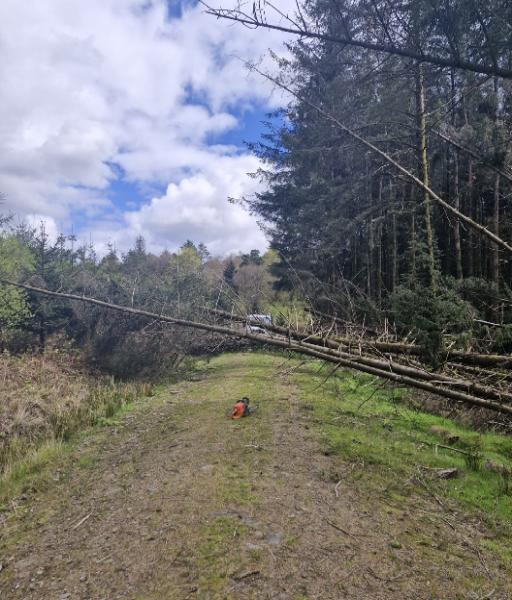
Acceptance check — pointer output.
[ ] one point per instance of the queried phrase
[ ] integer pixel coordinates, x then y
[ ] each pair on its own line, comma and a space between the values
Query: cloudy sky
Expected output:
128, 117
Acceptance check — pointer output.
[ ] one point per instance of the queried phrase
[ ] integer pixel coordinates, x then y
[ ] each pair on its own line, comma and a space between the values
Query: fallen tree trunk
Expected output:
286, 344
468, 358
327, 346
410, 382
410, 371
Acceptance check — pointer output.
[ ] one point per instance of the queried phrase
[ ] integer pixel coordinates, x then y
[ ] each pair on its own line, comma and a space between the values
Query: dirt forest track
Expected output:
175, 501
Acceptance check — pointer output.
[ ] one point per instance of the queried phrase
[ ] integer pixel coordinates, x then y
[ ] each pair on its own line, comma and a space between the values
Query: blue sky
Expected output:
124, 121
126, 194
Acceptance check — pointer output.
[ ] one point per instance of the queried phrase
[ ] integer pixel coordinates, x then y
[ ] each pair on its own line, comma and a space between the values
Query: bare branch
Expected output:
454, 62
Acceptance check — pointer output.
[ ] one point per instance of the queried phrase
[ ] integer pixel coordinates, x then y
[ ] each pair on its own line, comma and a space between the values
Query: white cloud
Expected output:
84, 85
47, 224
196, 208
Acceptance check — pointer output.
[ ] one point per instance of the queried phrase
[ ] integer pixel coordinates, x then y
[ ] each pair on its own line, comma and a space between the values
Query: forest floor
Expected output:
172, 500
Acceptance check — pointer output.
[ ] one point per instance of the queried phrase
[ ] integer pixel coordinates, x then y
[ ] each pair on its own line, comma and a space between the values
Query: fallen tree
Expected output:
386, 371
395, 348
313, 342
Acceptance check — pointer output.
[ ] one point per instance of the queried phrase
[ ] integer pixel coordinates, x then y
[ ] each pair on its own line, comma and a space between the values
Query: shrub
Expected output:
432, 317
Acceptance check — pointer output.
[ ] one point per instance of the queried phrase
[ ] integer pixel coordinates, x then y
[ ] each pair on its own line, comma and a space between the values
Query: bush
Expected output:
432, 318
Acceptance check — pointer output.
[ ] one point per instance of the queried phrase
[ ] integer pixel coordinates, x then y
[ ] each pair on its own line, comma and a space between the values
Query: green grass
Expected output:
213, 555
30, 473
504, 552
236, 487
367, 423
392, 445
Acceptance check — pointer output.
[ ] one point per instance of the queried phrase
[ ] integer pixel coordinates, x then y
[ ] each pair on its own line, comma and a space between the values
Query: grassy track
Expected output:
362, 421
315, 496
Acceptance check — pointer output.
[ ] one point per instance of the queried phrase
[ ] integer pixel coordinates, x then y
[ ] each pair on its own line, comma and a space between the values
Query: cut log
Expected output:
447, 473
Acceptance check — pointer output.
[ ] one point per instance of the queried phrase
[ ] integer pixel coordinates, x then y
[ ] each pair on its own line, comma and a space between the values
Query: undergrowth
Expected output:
48, 398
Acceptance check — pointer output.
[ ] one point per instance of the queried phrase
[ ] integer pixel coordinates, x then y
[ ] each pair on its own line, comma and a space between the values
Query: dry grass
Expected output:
48, 398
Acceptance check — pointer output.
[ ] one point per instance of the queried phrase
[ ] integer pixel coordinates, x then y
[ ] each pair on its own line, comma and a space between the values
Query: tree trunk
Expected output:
470, 253
456, 225
394, 267
371, 246
379, 249
424, 172
495, 257
456, 182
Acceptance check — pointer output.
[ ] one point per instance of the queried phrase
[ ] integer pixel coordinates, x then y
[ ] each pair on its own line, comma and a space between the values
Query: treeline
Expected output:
361, 238
177, 283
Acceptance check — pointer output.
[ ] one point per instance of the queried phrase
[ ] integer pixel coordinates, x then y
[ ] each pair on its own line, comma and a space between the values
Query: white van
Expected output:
263, 319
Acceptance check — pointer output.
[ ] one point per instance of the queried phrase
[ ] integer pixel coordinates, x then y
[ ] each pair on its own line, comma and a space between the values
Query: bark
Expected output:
394, 268
413, 242
424, 171
495, 256
470, 266
454, 153
379, 265
371, 248
378, 277
456, 226
369, 251
495, 253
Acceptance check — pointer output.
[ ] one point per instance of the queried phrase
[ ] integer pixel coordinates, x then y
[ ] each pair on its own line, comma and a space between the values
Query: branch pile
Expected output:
397, 362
